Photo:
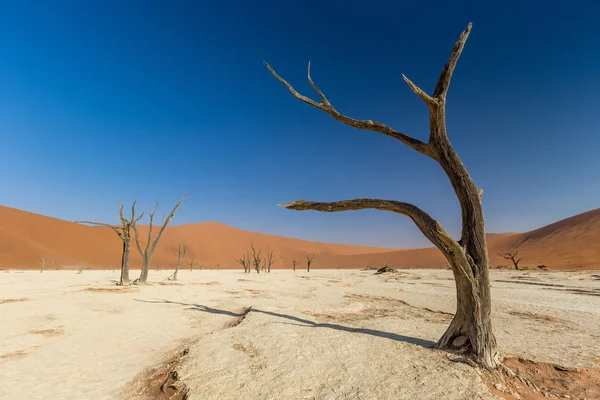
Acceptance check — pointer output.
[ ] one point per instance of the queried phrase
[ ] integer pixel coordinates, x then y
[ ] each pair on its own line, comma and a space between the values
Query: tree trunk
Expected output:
176, 271
472, 318
125, 264
143, 279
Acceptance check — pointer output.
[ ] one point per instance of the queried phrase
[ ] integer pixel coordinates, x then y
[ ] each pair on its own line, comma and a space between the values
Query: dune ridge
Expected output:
26, 238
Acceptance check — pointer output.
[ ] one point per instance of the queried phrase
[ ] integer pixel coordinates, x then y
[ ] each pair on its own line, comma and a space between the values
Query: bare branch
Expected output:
326, 106
167, 221
324, 100
446, 76
430, 101
432, 229
117, 229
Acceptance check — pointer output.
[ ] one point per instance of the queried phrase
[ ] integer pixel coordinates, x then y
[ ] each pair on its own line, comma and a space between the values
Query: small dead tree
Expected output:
468, 256
42, 263
151, 244
181, 250
192, 265
294, 264
270, 260
124, 233
512, 256
256, 256
309, 260
244, 262
82, 266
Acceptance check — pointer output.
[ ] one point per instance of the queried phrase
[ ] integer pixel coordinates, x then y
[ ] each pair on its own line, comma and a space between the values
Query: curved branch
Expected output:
326, 106
117, 229
432, 229
446, 76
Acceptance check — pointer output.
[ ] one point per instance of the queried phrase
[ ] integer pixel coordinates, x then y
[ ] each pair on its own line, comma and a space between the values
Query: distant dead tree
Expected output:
158, 267
294, 264
42, 263
82, 266
181, 250
512, 256
256, 256
309, 260
244, 261
270, 260
191, 265
468, 256
124, 233
151, 244
55, 265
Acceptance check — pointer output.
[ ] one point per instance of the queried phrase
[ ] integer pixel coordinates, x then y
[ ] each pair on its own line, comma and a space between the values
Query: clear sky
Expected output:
149, 100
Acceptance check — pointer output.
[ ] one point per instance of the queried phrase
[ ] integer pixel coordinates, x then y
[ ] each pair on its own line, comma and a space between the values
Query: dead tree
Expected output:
512, 256
181, 250
42, 263
309, 260
244, 262
82, 266
256, 257
294, 264
270, 260
124, 233
151, 244
192, 265
468, 256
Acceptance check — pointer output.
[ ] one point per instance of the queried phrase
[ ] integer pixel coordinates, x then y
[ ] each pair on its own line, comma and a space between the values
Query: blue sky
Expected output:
148, 100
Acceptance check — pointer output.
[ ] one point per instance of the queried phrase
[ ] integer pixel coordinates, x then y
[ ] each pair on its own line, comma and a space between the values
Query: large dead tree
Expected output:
309, 260
124, 233
244, 261
151, 244
181, 250
512, 256
468, 256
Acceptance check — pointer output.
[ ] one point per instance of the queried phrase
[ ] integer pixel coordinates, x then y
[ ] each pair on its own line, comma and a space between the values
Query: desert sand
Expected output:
26, 238
326, 334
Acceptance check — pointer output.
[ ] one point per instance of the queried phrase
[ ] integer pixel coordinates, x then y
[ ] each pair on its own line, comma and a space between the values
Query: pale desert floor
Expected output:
326, 334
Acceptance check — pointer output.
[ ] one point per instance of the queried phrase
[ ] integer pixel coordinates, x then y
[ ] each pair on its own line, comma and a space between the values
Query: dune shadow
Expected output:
297, 321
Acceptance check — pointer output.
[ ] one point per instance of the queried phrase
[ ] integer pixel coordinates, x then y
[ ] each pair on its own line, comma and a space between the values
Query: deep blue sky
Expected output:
149, 100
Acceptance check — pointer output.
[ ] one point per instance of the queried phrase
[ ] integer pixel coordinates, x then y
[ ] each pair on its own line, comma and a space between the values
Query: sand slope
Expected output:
25, 238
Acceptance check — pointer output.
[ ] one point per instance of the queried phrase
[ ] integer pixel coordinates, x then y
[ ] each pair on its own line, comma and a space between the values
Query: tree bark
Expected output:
467, 257
125, 281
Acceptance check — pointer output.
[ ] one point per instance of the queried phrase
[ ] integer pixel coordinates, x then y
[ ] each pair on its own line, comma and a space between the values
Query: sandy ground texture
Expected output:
326, 334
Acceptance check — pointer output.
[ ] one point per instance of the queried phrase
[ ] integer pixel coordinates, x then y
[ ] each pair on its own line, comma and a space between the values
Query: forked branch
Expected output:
326, 106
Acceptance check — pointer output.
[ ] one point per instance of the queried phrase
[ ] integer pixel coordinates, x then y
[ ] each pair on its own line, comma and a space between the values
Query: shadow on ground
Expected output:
302, 322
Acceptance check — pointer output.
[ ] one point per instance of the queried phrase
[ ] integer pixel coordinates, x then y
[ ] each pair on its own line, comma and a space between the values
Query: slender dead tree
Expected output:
42, 263
181, 250
124, 233
294, 264
256, 256
512, 256
151, 244
270, 260
309, 260
245, 262
82, 266
192, 265
468, 256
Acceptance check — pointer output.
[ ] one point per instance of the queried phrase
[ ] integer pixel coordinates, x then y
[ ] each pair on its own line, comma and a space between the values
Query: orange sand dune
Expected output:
26, 238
